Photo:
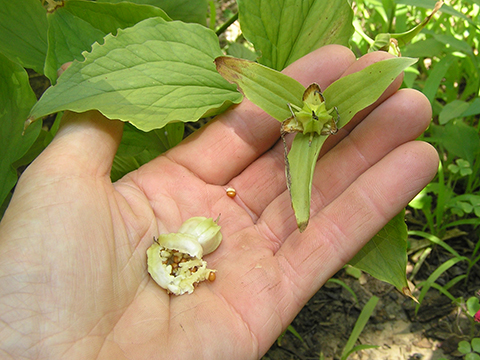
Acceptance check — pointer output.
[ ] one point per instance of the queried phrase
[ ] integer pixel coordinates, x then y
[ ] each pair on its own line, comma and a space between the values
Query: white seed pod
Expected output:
206, 230
175, 263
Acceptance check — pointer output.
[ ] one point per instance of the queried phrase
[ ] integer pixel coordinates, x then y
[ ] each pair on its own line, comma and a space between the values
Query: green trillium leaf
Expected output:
268, 89
380, 257
151, 74
285, 30
356, 91
302, 160
75, 26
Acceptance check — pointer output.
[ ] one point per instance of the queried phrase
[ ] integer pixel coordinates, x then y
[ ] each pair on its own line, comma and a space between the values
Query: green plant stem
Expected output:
213, 15
391, 18
440, 208
221, 29
359, 325
472, 182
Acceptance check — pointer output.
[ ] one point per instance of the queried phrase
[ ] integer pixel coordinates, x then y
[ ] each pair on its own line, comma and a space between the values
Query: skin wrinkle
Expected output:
332, 235
294, 278
272, 161
254, 217
247, 131
265, 231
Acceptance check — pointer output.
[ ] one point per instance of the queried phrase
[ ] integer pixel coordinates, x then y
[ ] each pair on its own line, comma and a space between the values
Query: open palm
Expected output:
73, 278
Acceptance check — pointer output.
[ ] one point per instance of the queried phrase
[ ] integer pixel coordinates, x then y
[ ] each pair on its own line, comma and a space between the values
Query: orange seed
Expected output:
231, 192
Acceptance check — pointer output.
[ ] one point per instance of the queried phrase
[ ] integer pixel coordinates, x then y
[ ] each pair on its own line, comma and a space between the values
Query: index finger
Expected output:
239, 136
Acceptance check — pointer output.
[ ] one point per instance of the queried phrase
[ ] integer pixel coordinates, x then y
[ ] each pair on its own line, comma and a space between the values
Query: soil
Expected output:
326, 321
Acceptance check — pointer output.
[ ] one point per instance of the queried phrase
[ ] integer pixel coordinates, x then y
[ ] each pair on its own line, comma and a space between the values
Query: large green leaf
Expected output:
23, 30
385, 256
74, 27
285, 30
150, 74
15, 103
193, 11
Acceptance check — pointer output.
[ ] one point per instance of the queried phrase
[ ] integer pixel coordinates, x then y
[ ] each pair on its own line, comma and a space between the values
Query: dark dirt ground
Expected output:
327, 320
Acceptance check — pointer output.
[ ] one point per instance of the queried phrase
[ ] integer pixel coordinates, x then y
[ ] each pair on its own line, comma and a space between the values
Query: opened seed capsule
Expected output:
205, 230
166, 264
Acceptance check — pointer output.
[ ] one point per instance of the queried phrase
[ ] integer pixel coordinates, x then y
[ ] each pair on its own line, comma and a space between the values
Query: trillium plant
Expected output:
311, 114
132, 62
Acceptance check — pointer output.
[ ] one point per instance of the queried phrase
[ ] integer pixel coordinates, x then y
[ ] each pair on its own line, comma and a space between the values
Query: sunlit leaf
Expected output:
150, 74
358, 328
392, 42
283, 31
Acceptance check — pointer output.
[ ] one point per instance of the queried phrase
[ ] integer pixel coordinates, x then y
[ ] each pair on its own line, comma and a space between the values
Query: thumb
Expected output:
85, 145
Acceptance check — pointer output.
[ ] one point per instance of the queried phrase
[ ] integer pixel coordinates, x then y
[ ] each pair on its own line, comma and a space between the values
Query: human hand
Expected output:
73, 278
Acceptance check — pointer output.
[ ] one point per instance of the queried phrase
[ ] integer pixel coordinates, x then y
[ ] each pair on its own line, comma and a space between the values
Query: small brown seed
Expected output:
212, 276
231, 192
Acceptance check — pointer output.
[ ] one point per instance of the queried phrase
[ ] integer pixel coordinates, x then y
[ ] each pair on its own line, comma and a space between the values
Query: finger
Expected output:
342, 228
400, 119
239, 136
362, 63
84, 145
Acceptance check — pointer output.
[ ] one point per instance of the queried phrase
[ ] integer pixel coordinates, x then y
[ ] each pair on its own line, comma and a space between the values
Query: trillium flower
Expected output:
313, 118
